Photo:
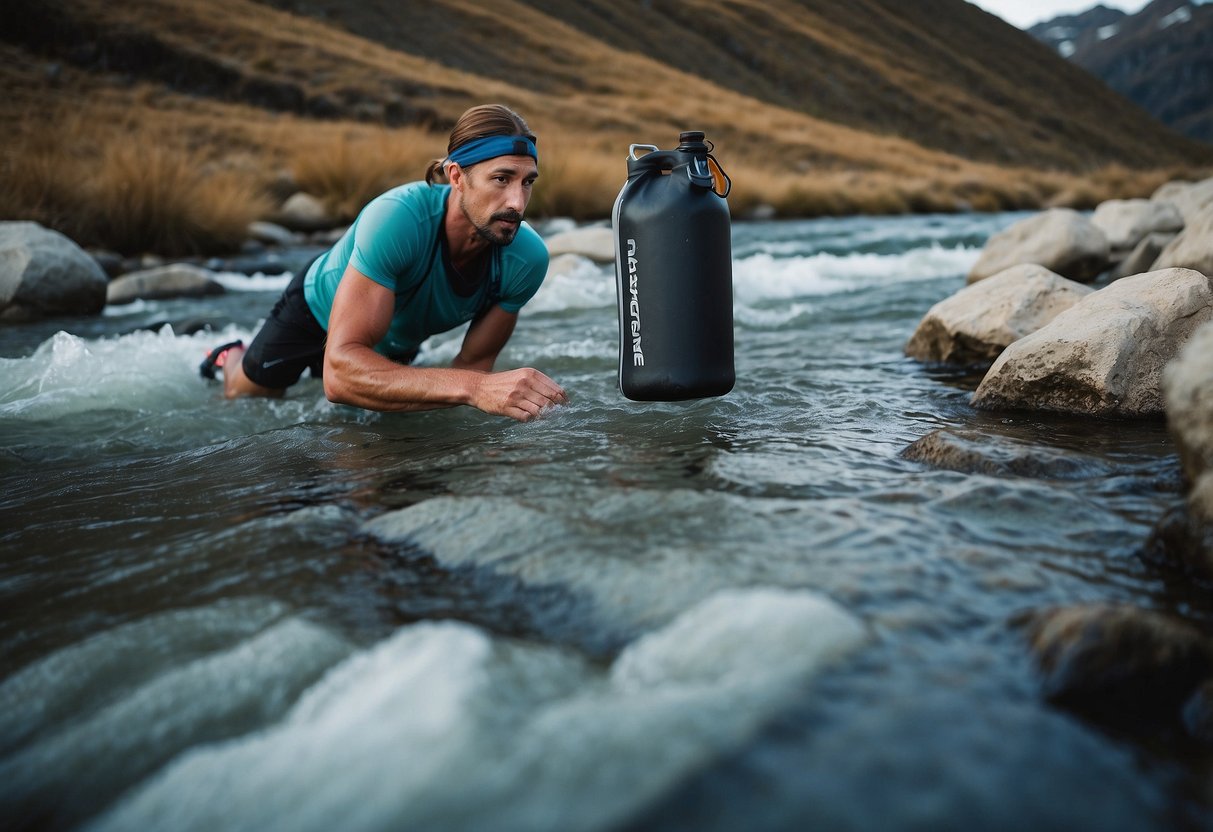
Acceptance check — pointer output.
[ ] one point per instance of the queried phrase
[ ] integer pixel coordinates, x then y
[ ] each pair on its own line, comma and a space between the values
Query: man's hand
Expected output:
520, 394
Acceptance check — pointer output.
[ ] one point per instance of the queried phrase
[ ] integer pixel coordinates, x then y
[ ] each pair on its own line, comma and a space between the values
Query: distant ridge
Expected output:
1161, 57
941, 73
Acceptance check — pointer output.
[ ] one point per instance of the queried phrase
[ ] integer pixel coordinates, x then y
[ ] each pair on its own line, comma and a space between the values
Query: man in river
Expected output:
420, 259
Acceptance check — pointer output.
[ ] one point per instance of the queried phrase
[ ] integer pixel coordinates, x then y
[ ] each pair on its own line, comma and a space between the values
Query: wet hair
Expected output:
476, 123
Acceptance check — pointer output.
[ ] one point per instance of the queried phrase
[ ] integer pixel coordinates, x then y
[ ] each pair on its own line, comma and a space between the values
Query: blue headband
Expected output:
492, 146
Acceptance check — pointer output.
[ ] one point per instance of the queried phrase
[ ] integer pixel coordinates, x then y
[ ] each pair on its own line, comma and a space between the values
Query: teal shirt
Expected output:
395, 242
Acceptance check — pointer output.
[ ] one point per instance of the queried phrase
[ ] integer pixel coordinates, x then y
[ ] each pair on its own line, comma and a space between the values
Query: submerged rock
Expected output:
1180, 542
179, 280
1060, 239
1126, 222
971, 452
1116, 662
976, 324
1103, 356
1198, 713
43, 273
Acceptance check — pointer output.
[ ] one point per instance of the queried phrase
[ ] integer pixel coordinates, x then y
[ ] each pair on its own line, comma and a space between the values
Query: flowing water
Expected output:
740, 613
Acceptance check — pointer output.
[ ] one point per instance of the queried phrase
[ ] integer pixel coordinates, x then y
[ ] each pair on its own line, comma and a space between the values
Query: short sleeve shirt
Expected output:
396, 242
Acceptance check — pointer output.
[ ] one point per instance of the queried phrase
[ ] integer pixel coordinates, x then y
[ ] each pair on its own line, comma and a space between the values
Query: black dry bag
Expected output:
674, 275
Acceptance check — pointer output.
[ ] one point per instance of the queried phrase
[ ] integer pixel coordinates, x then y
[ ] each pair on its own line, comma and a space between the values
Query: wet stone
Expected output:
971, 452
1124, 665
1181, 542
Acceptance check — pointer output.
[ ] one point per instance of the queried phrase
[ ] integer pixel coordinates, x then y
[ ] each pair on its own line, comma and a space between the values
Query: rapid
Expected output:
737, 613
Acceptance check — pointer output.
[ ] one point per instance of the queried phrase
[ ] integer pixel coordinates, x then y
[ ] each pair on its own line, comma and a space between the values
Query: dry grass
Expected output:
144, 177
347, 168
128, 190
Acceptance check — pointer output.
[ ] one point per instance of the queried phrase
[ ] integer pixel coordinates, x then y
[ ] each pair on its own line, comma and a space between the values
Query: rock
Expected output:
1118, 662
1104, 355
269, 263
1126, 222
1198, 713
43, 273
596, 242
1193, 248
971, 452
109, 261
1188, 384
1060, 239
973, 326
271, 233
1142, 258
1181, 542
175, 281
1191, 198
1184, 537
304, 212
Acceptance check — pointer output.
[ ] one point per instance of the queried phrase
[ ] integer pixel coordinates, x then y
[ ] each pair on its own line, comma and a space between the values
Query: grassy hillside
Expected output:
814, 108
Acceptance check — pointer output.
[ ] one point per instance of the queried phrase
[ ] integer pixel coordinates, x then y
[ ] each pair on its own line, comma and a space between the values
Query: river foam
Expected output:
443, 725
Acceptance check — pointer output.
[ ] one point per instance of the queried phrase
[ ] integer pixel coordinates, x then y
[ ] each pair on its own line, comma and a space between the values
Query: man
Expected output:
420, 259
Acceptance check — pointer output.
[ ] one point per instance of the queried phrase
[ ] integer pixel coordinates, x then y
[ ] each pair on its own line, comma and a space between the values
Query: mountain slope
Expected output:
876, 107
940, 73
1161, 58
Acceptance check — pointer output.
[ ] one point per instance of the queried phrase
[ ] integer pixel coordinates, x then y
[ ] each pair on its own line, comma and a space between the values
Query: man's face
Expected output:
494, 196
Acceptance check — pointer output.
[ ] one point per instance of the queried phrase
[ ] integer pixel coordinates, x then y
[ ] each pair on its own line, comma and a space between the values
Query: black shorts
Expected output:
291, 341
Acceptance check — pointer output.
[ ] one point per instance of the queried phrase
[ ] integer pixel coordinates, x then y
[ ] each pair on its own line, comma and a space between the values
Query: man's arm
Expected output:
355, 374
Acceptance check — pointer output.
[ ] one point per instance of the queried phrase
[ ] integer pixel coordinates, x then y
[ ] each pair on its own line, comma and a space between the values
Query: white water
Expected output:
542, 739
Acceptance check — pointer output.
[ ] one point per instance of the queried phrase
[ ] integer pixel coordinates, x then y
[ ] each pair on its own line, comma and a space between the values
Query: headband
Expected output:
492, 146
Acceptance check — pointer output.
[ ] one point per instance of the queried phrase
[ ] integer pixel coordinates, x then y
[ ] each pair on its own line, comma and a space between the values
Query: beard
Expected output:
485, 231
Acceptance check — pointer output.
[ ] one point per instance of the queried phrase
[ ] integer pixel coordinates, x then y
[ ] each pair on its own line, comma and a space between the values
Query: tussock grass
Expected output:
576, 179
137, 180
130, 191
348, 168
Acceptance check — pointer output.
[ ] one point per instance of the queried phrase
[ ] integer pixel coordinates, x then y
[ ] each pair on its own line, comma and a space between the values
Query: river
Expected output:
740, 613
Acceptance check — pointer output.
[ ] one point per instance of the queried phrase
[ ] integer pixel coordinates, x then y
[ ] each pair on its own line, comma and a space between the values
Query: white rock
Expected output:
1060, 239
1193, 248
977, 323
1126, 222
596, 242
1104, 355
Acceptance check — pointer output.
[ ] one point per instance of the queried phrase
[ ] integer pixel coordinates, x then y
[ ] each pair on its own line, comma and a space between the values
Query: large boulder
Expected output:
1126, 222
1193, 248
43, 274
179, 280
1188, 384
596, 242
1191, 198
973, 326
1060, 239
1103, 356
